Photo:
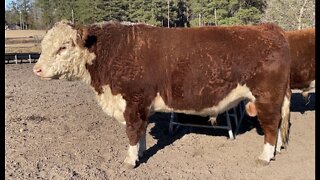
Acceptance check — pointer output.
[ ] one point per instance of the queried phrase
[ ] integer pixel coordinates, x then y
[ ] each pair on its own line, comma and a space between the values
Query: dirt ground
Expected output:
56, 130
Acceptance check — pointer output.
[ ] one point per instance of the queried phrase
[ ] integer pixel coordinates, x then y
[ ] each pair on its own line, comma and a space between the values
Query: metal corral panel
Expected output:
21, 56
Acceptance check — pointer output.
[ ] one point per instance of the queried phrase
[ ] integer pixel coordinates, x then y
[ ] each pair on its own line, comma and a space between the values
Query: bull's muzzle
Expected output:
37, 71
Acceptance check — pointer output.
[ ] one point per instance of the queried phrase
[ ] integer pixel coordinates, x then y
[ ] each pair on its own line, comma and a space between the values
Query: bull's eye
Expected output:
61, 49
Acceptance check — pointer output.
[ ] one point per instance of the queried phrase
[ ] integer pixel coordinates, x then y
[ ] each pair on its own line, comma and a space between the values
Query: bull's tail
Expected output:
285, 122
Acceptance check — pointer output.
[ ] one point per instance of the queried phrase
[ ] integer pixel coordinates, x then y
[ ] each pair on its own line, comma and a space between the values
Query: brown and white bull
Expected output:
135, 70
302, 49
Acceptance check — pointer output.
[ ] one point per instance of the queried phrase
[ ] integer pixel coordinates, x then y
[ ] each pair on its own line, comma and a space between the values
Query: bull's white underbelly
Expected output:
238, 94
115, 105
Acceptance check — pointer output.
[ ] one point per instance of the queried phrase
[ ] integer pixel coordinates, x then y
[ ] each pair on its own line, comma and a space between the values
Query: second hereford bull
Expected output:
303, 62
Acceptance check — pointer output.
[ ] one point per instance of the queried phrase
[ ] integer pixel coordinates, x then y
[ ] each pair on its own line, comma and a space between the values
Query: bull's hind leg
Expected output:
269, 116
136, 122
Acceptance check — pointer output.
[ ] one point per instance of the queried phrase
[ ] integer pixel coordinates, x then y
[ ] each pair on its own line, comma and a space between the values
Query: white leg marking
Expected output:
267, 153
142, 145
132, 155
279, 142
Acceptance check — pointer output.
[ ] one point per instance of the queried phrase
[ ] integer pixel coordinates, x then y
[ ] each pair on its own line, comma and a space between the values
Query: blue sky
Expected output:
7, 3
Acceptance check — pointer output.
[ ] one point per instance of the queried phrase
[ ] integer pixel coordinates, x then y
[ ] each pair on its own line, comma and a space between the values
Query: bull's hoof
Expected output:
129, 166
129, 163
260, 162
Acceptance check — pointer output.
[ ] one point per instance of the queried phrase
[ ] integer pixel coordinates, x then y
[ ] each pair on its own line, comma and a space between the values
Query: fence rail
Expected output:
15, 57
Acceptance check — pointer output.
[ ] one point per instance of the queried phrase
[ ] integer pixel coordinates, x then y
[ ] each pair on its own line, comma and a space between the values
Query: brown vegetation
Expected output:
23, 41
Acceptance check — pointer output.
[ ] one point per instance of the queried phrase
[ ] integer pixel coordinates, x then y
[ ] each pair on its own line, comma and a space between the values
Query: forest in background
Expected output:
42, 14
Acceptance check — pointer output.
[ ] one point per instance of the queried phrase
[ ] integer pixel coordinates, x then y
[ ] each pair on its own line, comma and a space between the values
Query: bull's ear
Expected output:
82, 36
84, 39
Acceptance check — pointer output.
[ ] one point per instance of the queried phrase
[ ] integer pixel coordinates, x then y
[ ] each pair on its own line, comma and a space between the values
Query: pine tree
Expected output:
46, 12
12, 14
24, 7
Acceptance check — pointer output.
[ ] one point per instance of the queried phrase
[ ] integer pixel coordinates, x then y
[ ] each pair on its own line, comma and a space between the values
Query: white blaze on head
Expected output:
62, 56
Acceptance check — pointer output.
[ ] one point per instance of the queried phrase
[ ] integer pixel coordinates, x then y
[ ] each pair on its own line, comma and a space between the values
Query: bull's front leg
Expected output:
136, 123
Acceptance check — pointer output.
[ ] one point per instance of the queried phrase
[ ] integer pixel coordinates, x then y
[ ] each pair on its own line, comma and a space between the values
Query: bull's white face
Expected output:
61, 56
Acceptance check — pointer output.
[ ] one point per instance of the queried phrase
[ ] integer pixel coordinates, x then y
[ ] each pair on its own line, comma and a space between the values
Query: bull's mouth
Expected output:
45, 78
49, 78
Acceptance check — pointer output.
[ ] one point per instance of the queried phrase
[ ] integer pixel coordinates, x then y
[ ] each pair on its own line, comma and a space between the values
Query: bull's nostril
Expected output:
37, 71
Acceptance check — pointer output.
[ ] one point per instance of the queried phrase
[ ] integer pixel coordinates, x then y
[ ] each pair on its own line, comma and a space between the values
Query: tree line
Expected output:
42, 14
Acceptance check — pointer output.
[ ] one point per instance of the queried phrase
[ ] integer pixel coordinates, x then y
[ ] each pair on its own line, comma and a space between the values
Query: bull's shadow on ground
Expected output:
160, 130
299, 105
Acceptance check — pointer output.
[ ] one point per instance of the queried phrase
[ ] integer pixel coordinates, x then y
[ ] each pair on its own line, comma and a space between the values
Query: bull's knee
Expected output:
251, 109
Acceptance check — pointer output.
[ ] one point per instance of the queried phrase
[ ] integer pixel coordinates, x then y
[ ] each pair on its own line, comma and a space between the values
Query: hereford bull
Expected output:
302, 49
135, 70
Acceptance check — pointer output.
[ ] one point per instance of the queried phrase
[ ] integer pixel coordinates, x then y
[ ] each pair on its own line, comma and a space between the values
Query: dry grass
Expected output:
23, 41
23, 33
23, 49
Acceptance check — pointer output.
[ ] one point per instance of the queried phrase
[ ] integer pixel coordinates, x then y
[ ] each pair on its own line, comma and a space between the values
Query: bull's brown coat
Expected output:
192, 69
302, 49
137, 69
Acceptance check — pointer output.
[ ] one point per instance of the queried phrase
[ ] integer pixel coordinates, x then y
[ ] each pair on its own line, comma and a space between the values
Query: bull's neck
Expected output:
110, 44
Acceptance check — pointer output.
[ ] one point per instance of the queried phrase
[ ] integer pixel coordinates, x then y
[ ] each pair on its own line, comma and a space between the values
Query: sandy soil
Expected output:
56, 130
